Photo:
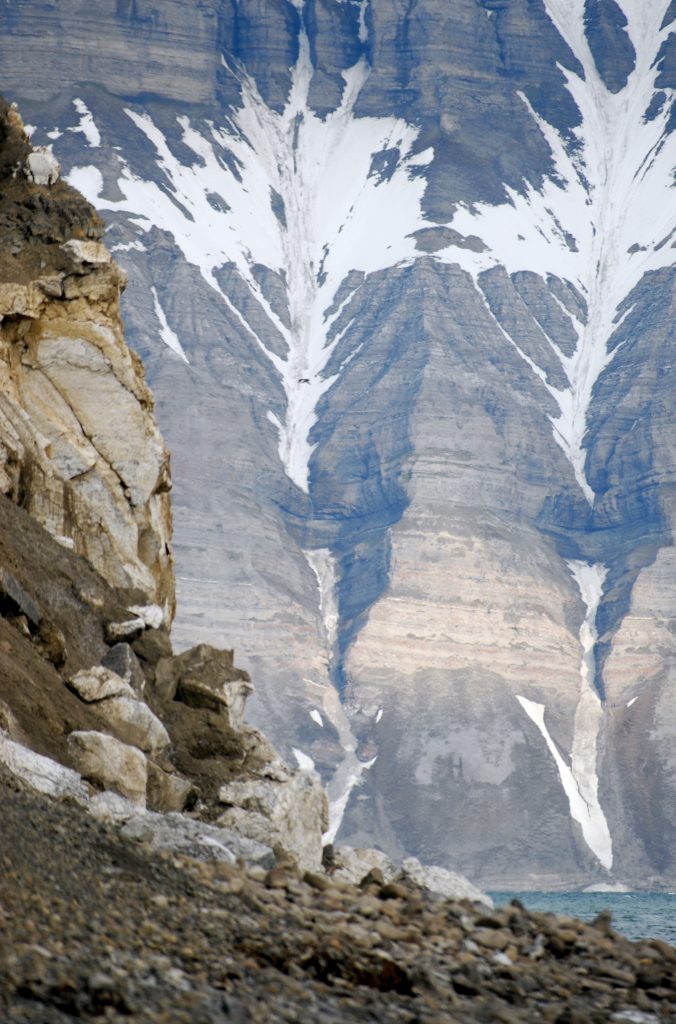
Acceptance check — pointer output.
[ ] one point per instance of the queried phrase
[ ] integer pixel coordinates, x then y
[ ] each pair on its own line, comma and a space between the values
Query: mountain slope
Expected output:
403, 280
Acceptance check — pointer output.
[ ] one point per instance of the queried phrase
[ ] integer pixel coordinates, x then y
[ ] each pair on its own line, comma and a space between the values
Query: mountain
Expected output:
402, 278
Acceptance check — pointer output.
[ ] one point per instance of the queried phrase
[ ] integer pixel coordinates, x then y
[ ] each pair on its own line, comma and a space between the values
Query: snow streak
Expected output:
601, 220
309, 199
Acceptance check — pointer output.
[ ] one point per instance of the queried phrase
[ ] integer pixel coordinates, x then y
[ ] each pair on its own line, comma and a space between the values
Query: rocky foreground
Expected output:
96, 927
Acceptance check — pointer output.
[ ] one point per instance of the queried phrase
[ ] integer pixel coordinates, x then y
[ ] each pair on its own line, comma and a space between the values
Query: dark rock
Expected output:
121, 659
152, 645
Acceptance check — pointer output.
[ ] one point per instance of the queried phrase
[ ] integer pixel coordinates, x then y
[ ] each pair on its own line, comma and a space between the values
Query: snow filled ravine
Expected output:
600, 221
306, 202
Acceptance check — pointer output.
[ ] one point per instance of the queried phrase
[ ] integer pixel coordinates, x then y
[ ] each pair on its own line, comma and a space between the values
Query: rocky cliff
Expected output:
402, 276
94, 705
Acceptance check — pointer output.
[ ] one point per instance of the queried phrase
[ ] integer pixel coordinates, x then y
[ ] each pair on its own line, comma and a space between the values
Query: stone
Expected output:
109, 763
290, 812
99, 683
132, 722
42, 774
168, 791
87, 251
122, 660
16, 600
121, 632
443, 882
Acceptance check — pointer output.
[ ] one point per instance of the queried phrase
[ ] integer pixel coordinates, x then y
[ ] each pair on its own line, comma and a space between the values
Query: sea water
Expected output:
636, 915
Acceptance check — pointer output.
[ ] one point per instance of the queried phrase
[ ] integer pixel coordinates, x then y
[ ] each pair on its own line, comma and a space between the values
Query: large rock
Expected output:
205, 677
283, 809
107, 762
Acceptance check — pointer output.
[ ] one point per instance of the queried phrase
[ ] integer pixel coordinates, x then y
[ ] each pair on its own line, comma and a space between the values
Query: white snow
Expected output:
316, 717
596, 837
305, 762
86, 125
580, 778
379, 715
168, 336
338, 216
129, 246
349, 772
613, 193
323, 565
630, 702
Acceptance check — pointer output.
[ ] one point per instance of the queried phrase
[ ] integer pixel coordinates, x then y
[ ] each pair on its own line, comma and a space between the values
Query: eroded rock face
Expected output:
79, 446
282, 809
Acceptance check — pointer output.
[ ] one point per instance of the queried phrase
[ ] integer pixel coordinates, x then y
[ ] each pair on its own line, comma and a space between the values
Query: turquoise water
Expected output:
636, 915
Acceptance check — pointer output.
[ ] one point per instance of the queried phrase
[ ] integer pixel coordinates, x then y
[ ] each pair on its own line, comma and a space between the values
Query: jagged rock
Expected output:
121, 632
122, 660
87, 251
99, 683
109, 763
167, 791
151, 614
287, 809
42, 774
442, 882
206, 678
15, 599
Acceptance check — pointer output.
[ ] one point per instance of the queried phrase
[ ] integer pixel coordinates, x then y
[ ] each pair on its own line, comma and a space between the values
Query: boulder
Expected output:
132, 721
98, 683
206, 678
442, 882
167, 791
196, 839
284, 809
108, 763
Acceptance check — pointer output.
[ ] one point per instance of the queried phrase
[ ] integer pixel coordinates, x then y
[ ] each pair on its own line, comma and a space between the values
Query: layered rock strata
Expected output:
79, 446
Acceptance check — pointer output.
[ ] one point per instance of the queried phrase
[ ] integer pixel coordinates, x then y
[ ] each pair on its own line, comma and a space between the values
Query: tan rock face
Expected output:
80, 447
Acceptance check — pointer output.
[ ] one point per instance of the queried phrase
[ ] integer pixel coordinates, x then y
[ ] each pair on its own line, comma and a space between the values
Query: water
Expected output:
636, 915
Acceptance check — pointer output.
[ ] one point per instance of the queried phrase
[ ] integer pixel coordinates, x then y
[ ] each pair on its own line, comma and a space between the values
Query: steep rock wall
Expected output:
80, 449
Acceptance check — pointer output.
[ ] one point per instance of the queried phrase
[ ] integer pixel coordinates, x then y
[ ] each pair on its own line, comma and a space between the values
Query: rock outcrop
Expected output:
79, 446
90, 689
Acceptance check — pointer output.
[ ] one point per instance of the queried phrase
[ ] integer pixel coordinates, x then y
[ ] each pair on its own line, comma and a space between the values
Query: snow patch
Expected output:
594, 828
168, 336
305, 762
379, 715
580, 780
316, 717
630, 702
87, 125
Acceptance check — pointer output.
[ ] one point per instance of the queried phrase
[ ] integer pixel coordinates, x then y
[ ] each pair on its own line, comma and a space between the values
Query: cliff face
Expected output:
79, 446
92, 697
402, 276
